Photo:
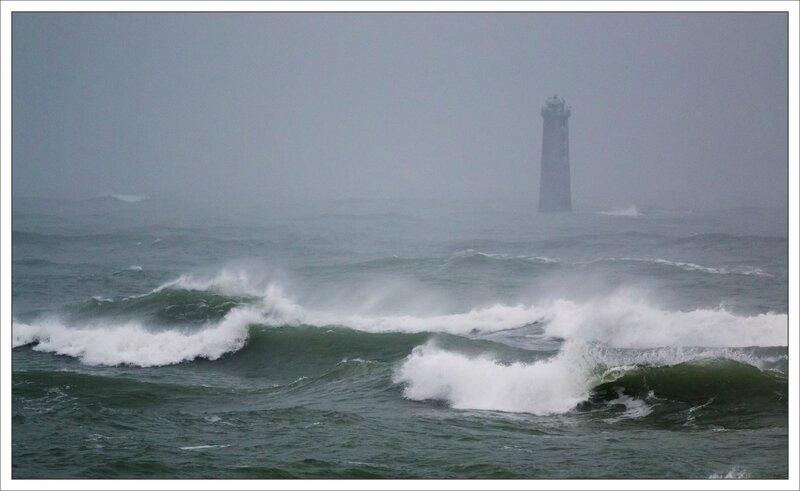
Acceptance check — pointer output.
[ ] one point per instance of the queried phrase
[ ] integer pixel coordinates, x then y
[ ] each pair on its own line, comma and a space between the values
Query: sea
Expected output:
396, 339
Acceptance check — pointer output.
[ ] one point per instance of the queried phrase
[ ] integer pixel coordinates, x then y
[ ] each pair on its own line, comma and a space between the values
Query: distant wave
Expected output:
128, 198
133, 268
472, 253
631, 211
686, 266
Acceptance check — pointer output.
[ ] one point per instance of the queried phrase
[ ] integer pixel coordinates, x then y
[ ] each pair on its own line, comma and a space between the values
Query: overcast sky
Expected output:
667, 109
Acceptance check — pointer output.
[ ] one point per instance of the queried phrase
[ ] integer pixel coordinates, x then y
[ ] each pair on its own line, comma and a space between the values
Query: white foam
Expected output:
625, 320
745, 270
733, 473
634, 408
541, 259
132, 343
551, 386
357, 360
229, 281
203, 447
493, 318
631, 211
622, 319
467, 253
279, 309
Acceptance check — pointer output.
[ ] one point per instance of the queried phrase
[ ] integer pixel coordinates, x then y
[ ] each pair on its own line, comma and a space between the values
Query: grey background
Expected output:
670, 110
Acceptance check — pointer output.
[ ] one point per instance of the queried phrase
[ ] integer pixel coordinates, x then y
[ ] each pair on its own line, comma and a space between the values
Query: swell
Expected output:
478, 262
466, 260
26, 237
307, 344
724, 381
719, 393
111, 391
167, 306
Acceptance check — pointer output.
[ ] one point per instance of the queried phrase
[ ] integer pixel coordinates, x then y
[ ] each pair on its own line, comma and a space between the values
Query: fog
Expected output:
668, 110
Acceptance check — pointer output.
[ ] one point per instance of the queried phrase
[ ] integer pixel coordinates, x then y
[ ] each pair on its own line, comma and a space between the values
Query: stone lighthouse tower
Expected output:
554, 187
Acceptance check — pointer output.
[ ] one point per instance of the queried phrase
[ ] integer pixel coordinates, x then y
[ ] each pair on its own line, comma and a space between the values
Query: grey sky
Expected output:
667, 109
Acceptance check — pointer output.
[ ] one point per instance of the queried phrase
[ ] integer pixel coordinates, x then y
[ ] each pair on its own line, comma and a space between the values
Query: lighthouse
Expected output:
554, 186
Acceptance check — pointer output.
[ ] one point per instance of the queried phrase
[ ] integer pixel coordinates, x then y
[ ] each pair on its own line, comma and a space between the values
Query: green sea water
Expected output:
384, 339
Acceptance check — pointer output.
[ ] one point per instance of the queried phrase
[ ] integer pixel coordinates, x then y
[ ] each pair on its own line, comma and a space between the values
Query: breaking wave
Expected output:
603, 344
581, 372
555, 385
128, 198
132, 343
625, 320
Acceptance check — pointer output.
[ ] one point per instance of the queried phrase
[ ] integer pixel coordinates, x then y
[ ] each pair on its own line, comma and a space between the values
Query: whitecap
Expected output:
733, 473
203, 447
631, 211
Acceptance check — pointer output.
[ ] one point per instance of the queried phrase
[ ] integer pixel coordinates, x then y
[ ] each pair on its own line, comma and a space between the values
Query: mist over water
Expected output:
306, 246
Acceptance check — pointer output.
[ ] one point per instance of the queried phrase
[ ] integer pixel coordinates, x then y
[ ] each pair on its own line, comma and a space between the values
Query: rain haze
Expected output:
363, 245
669, 110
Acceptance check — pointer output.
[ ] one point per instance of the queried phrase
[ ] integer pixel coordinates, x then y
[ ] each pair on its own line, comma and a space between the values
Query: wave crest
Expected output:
625, 320
631, 211
132, 343
550, 386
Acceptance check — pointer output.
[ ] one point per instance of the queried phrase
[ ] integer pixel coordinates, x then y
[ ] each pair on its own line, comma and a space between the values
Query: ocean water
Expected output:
391, 339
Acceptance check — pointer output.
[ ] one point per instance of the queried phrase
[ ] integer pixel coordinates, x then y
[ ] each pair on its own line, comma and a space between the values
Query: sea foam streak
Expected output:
742, 270
472, 253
